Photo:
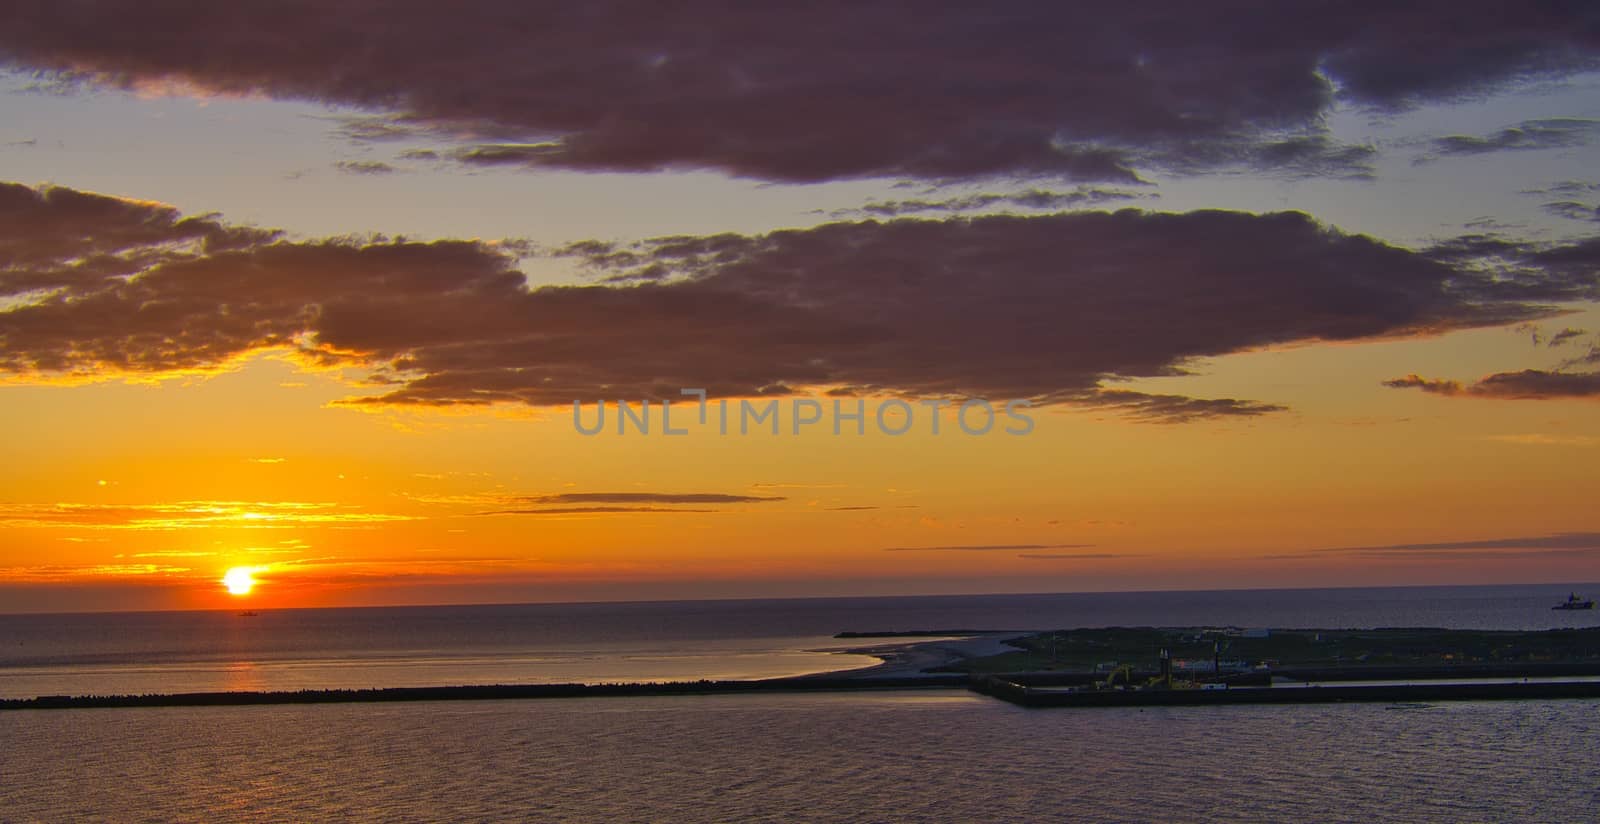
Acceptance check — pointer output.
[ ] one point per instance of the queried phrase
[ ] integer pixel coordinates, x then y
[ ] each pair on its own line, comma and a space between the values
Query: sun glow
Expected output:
239, 580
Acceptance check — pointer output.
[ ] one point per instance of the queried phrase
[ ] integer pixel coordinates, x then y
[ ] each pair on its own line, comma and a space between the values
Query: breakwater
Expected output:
484, 693
1006, 689
1033, 696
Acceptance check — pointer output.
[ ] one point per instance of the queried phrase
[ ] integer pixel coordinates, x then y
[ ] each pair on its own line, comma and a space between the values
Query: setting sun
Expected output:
239, 580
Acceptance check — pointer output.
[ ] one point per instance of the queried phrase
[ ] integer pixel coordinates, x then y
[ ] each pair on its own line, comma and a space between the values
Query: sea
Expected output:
937, 755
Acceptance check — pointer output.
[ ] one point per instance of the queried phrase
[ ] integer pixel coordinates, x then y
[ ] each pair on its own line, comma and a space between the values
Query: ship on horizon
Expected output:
1574, 602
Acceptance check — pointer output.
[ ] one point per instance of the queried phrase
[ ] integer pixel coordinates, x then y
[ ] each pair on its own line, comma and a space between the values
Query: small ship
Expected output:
1574, 602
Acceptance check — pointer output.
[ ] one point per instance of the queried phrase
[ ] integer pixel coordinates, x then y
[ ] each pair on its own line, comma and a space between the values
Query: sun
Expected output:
239, 580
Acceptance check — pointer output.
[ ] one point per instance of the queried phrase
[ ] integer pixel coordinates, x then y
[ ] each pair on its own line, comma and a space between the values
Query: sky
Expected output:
1140, 296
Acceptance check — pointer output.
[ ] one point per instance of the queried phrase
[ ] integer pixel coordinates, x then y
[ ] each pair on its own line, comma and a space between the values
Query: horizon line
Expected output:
735, 599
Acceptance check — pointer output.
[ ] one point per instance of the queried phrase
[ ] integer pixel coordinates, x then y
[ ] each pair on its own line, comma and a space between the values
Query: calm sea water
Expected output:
889, 757
944, 756
118, 653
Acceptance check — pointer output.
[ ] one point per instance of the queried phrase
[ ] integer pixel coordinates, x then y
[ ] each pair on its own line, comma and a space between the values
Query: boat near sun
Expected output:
1574, 602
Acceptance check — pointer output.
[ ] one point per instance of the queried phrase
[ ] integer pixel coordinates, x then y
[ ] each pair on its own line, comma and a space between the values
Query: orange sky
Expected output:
144, 494
251, 318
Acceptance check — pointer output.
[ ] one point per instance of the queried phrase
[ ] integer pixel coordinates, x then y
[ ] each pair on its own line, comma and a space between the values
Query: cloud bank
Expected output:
1055, 308
1528, 384
1557, 545
820, 91
1551, 133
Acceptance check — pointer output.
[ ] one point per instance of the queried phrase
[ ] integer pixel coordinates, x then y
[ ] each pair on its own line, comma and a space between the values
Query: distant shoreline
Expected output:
1009, 690
956, 660
901, 666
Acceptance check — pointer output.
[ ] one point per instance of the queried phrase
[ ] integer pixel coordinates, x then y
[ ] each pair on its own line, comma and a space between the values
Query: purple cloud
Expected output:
1054, 308
820, 91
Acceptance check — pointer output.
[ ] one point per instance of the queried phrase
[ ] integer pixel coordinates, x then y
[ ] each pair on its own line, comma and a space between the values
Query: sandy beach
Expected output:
906, 657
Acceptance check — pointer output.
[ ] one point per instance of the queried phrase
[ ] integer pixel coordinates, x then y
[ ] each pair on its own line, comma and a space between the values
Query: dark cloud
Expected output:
594, 510
1566, 188
1528, 384
1294, 157
365, 167
1030, 199
643, 498
1507, 554
1558, 545
205, 293
1538, 336
1552, 133
1072, 556
983, 547
597, 503
1559, 540
1436, 386
1051, 307
376, 129
1570, 206
1573, 210
1589, 359
815, 91
1515, 269
1449, 555
1486, 224
503, 154
1173, 408
56, 237
1562, 337
1050, 300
